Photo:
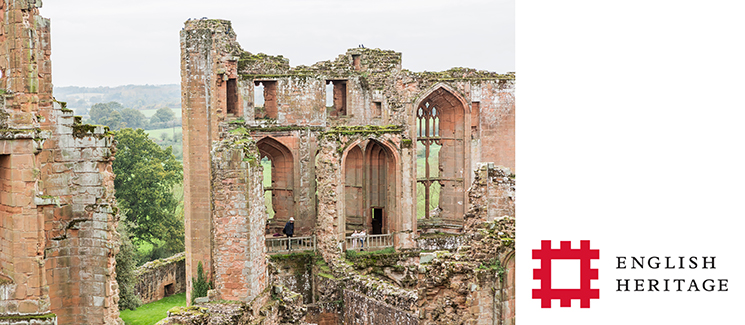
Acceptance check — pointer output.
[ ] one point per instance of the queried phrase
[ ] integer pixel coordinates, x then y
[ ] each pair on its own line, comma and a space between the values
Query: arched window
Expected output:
440, 156
281, 201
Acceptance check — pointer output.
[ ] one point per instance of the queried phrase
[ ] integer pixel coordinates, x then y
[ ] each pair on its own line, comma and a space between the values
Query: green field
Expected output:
177, 144
156, 134
150, 112
149, 314
267, 183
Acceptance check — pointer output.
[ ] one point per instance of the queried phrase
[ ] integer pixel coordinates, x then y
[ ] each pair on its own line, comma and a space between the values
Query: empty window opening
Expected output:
377, 109
267, 164
475, 115
339, 101
356, 62
232, 97
278, 183
440, 156
329, 96
265, 99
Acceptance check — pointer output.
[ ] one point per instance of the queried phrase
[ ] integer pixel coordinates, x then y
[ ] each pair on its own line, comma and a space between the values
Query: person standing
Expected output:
362, 237
289, 230
354, 236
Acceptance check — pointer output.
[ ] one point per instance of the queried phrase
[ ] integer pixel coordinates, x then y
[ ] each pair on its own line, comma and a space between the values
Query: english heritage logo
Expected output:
584, 293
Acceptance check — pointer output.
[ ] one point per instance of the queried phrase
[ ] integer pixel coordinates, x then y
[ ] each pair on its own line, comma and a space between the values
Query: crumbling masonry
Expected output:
353, 143
57, 208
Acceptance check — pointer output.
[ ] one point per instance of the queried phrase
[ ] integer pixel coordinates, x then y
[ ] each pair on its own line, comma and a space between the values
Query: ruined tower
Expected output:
57, 208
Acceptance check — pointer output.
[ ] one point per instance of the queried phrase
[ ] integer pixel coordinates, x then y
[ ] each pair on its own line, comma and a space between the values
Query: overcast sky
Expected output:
111, 43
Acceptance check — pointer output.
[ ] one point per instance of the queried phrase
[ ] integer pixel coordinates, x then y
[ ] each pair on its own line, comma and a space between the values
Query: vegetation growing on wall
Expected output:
200, 284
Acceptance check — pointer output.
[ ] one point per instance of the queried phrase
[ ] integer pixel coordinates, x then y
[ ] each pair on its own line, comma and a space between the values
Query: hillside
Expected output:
131, 96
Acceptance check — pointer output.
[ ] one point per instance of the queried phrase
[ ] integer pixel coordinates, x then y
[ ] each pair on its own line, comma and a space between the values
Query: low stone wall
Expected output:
360, 309
161, 278
33, 319
439, 242
295, 271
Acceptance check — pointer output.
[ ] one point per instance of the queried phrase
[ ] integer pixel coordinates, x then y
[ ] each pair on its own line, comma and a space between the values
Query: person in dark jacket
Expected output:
289, 230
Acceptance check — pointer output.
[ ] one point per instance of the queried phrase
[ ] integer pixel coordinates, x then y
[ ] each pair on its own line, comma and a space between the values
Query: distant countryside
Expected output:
153, 108
146, 121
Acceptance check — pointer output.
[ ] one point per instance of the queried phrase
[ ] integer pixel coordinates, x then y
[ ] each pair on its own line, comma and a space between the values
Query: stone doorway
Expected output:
377, 221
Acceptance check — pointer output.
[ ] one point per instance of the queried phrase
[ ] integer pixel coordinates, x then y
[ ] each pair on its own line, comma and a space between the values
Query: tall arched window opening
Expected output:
281, 201
440, 156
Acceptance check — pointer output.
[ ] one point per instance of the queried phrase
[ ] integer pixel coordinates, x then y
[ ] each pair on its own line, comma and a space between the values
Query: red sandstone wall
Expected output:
239, 219
57, 209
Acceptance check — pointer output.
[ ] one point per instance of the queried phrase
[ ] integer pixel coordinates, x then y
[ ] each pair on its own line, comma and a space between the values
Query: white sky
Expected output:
111, 43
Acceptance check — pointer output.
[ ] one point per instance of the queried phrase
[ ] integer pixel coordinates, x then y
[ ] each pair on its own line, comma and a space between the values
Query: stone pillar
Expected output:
208, 60
239, 219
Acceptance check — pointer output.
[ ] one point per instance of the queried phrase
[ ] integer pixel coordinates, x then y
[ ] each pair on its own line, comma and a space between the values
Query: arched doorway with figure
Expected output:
369, 188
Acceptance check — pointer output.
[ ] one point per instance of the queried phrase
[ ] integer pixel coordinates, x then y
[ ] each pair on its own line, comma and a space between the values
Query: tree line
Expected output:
116, 116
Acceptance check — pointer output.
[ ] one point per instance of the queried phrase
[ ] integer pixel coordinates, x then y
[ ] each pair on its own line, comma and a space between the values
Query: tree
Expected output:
113, 121
134, 118
101, 111
163, 115
145, 176
126, 266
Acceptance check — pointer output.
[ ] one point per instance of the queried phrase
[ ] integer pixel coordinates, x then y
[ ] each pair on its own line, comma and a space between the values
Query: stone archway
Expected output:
282, 184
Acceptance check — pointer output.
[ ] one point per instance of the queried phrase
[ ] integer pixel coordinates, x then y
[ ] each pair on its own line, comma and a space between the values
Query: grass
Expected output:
156, 134
267, 183
149, 314
177, 144
150, 112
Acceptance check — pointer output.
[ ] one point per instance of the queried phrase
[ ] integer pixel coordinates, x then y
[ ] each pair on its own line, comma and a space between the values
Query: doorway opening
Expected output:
377, 221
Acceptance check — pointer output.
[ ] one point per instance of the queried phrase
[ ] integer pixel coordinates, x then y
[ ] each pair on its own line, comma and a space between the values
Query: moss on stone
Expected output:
88, 130
225, 302
27, 317
326, 275
285, 128
186, 311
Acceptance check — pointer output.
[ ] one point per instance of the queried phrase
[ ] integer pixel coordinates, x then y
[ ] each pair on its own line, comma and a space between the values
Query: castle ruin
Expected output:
352, 143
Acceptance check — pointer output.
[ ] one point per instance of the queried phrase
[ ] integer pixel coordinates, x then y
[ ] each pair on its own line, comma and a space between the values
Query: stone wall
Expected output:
438, 242
161, 278
57, 209
238, 219
362, 310
295, 271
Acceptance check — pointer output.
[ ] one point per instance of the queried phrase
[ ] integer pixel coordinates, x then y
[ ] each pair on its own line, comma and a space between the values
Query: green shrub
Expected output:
200, 285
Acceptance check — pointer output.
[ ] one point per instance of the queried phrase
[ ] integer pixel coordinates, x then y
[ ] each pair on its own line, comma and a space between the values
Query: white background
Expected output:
631, 134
